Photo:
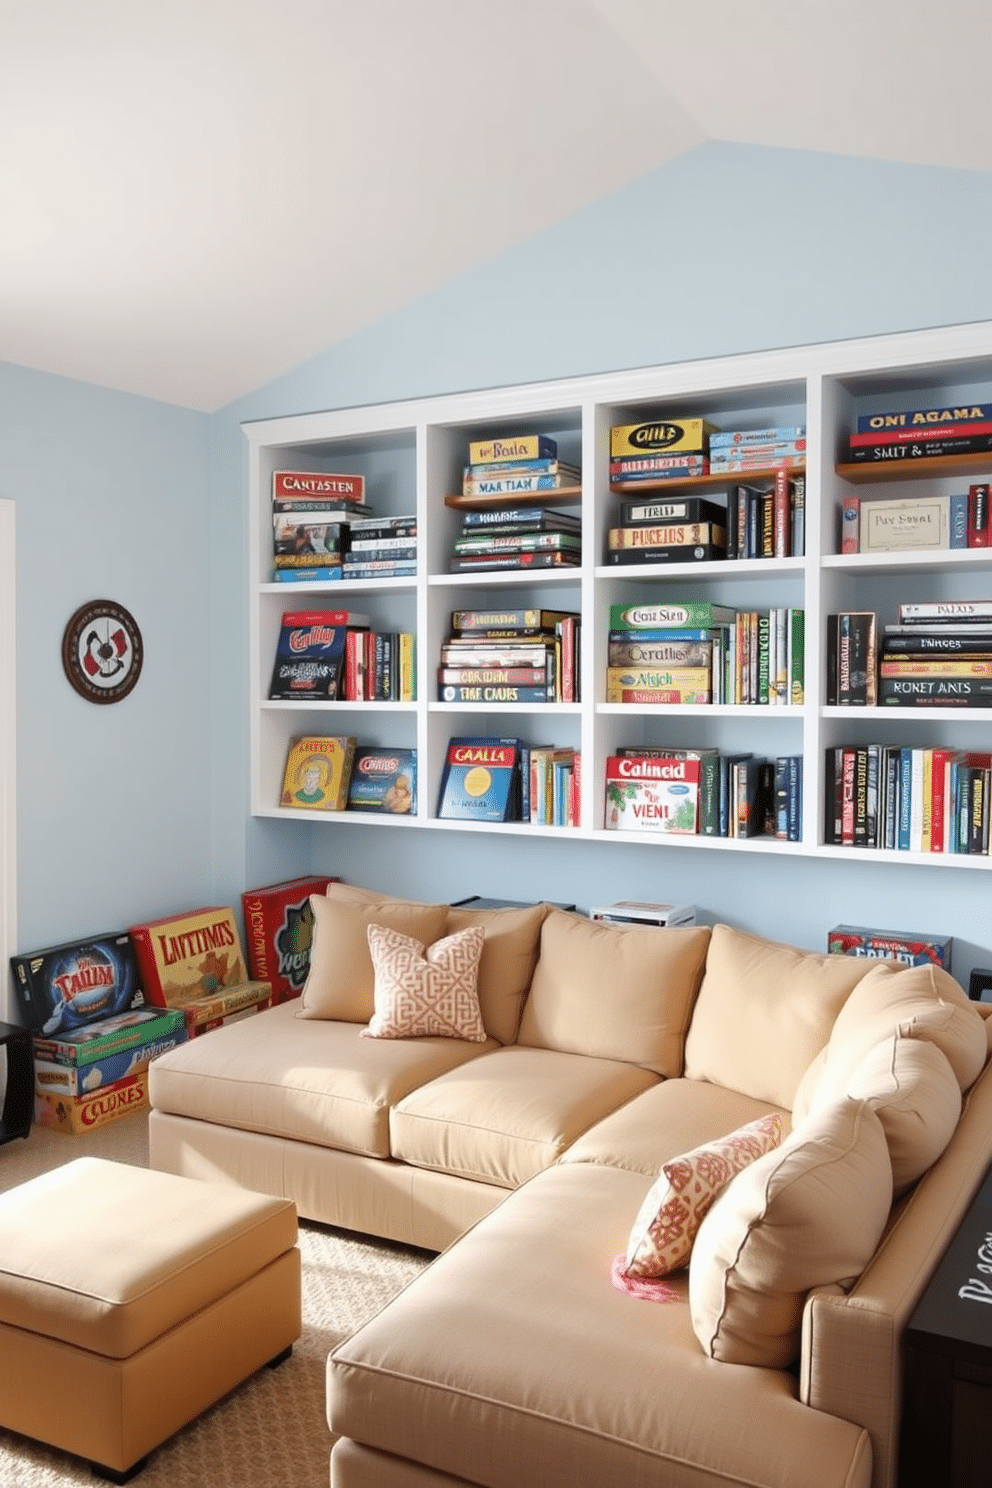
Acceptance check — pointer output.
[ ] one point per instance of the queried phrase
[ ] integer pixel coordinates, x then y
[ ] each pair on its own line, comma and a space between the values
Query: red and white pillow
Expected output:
423, 991
673, 1209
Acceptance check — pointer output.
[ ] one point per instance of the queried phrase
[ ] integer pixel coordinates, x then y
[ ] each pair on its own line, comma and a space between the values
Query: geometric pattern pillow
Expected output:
426, 991
674, 1208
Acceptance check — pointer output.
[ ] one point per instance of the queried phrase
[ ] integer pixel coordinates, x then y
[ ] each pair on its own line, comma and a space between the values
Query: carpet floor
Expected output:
271, 1432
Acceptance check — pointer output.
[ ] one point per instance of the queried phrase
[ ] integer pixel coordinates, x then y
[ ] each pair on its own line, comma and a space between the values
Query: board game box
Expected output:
109, 1036
480, 780
384, 780
189, 956
77, 1115
279, 932
203, 1013
652, 794
911, 947
67, 986
57, 1078
317, 773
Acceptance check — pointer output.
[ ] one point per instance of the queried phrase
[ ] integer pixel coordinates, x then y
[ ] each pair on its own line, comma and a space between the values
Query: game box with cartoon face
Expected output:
67, 986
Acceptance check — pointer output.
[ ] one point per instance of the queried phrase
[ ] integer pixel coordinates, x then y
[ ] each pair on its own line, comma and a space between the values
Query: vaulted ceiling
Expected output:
197, 195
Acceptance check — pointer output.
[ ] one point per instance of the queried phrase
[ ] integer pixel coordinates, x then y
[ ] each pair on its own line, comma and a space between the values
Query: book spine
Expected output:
465, 563
958, 535
881, 452
937, 433
797, 497
935, 692
465, 676
947, 612
850, 524
688, 509
680, 553
674, 535
780, 515
452, 693
514, 485
925, 417
979, 529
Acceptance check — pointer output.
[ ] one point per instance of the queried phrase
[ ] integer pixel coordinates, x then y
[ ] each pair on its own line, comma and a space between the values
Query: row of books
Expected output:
756, 522
701, 791
519, 655
928, 523
488, 779
513, 537
335, 773
906, 799
698, 652
330, 655
937, 654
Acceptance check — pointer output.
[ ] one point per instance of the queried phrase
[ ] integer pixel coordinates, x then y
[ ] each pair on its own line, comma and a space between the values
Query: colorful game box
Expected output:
279, 932
318, 769
203, 1013
189, 956
56, 1078
109, 1036
77, 1115
480, 780
384, 780
908, 946
66, 986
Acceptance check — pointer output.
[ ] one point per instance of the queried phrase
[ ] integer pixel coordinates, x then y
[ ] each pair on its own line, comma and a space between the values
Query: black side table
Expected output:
18, 1099
947, 1384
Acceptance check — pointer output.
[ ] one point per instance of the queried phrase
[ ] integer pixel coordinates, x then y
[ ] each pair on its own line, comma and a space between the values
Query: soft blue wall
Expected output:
113, 802
141, 809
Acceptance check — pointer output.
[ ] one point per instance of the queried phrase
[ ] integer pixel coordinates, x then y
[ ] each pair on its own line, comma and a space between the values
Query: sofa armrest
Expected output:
851, 1362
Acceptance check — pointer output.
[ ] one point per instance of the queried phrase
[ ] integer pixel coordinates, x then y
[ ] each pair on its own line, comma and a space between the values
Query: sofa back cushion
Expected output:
912, 1089
918, 1002
341, 980
509, 954
614, 993
763, 1013
808, 1214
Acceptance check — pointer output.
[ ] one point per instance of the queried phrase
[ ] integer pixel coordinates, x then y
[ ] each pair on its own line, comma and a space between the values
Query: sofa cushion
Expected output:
673, 1208
612, 992
808, 1214
426, 990
763, 1013
920, 1002
510, 1114
513, 1345
508, 956
318, 1081
341, 980
911, 1087
666, 1120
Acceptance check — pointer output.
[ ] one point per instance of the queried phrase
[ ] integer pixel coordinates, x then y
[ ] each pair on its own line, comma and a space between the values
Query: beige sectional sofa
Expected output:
535, 1141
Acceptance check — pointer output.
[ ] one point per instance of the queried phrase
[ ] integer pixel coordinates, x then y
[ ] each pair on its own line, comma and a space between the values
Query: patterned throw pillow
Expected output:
426, 991
667, 1221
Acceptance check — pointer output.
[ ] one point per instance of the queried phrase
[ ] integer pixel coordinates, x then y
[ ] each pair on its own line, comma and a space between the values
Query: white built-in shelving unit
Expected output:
412, 454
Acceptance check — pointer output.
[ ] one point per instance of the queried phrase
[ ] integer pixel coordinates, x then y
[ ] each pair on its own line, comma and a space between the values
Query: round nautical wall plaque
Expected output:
102, 651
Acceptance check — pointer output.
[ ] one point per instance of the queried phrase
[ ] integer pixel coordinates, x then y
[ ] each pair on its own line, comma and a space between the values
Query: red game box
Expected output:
278, 932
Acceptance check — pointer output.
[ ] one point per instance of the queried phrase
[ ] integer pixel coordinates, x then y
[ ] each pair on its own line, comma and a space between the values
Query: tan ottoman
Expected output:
130, 1300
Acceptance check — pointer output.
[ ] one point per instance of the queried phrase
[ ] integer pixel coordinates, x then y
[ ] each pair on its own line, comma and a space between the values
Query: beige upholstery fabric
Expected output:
146, 1297
341, 981
810, 1213
514, 1345
666, 1120
913, 1090
513, 937
313, 1081
508, 956
614, 993
508, 1114
763, 1013
921, 1002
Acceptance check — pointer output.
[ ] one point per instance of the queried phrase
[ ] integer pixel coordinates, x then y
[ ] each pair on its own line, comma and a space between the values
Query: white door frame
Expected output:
8, 753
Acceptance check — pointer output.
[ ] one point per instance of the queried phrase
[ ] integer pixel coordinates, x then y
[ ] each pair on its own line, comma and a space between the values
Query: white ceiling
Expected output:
197, 195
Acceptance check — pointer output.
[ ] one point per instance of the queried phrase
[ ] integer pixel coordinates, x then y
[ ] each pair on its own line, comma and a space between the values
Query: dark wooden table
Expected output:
946, 1439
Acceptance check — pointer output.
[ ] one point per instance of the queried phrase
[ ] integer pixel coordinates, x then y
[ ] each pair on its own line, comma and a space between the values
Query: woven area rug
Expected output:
269, 1433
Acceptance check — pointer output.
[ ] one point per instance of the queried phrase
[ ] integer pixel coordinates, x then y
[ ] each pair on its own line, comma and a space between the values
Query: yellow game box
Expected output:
661, 437
318, 769
189, 956
80, 1114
